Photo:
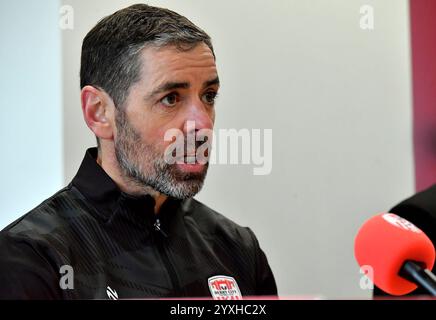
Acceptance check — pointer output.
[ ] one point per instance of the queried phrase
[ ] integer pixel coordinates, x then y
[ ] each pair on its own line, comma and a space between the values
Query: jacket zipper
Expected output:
164, 254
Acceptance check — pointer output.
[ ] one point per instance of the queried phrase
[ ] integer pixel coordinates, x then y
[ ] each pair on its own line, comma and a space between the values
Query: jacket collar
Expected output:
104, 195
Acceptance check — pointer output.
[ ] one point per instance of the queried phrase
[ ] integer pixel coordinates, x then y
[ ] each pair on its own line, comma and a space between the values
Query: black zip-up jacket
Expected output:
92, 241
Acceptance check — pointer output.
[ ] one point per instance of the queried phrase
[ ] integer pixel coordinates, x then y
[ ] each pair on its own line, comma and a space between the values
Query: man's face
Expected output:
175, 87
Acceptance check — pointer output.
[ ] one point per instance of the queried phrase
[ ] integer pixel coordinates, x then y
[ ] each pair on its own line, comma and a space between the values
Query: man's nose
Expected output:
198, 116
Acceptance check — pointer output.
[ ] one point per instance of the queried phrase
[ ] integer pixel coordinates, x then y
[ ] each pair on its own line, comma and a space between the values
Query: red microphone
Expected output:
398, 252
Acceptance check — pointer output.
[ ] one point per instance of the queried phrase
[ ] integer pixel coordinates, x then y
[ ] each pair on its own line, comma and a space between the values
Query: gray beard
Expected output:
142, 165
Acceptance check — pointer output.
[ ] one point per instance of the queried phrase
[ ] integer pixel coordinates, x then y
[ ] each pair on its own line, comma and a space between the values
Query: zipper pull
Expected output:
157, 228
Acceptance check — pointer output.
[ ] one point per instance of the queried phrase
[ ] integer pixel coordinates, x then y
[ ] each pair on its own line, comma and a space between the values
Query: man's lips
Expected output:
191, 159
187, 167
190, 163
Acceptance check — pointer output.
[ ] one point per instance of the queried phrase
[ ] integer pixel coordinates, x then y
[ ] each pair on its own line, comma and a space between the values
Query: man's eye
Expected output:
170, 100
210, 97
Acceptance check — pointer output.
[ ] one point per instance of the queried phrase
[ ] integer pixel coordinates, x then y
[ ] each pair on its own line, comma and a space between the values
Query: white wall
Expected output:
31, 163
337, 98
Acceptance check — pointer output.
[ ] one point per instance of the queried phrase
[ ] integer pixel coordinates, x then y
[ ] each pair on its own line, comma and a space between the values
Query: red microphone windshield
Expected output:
384, 243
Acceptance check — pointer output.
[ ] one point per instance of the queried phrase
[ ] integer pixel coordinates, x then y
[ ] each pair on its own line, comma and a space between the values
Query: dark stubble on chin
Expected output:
144, 166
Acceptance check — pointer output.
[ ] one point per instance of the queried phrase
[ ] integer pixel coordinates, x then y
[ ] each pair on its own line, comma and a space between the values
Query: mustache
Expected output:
180, 150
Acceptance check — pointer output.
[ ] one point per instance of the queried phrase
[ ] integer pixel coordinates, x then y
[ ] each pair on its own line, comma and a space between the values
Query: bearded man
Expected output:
127, 225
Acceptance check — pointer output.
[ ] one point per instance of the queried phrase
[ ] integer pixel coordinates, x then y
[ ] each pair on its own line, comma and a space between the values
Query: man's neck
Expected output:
112, 170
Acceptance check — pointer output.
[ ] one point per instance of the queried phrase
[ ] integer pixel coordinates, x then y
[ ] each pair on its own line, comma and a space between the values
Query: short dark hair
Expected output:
110, 51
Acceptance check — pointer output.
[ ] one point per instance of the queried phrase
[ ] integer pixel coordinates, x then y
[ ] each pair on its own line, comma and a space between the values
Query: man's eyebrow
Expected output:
215, 81
168, 86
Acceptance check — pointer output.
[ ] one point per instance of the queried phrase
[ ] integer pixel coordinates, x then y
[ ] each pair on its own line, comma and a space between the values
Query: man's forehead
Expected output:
169, 61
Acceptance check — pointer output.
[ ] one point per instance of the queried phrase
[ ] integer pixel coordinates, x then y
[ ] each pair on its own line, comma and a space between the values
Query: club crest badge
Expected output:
224, 288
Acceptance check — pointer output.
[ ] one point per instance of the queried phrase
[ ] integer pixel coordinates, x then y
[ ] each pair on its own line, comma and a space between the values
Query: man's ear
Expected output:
97, 108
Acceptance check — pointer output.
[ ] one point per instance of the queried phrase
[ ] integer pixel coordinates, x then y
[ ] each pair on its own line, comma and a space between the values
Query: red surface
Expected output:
423, 38
385, 247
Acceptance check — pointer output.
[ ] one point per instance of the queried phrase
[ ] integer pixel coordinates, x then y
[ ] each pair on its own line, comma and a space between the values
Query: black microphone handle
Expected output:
414, 272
